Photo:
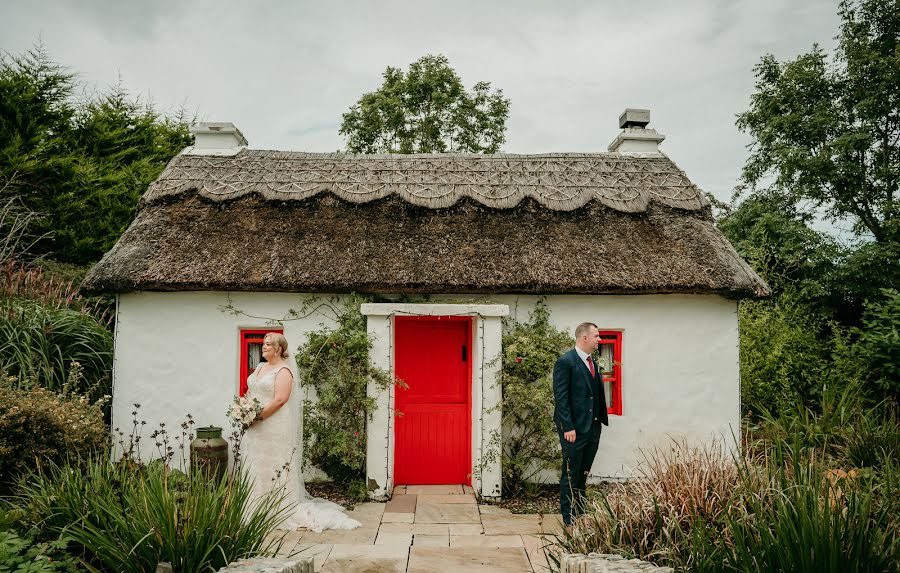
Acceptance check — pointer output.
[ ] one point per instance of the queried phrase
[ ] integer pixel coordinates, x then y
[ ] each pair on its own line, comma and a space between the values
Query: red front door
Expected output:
433, 428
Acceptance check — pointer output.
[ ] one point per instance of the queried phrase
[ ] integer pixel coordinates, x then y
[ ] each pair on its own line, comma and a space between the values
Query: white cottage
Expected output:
621, 238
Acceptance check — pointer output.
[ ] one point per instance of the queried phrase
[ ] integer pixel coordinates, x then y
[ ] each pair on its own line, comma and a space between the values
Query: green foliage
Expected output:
127, 517
426, 110
40, 341
827, 133
335, 362
38, 426
22, 554
879, 343
81, 165
530, 443
788, 353
770, 233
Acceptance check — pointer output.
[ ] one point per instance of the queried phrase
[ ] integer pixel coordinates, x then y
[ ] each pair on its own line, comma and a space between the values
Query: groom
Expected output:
580, 410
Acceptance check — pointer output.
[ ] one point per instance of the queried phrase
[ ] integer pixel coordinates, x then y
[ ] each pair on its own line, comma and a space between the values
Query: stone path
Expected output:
430, 528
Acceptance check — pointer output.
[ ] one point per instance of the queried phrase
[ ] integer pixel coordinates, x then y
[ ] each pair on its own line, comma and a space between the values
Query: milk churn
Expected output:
209, 452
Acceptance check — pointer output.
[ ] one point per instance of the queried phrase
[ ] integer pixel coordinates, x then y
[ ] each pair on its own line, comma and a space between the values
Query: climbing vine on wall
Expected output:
334, 361
529, 441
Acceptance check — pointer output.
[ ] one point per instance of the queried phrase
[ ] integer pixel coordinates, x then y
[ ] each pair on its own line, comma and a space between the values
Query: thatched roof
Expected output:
284, 221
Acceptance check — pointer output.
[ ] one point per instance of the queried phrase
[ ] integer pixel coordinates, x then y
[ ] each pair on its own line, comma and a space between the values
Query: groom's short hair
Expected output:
583, 329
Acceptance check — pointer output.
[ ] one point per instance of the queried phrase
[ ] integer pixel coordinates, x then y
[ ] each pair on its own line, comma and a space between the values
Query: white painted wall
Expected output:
680, 368
177, 353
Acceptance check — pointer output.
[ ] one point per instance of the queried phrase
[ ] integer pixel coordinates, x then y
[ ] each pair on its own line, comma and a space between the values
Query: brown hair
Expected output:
583, 329
278, 339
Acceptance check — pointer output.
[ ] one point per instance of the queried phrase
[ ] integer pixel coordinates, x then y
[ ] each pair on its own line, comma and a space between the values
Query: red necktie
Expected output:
591, 367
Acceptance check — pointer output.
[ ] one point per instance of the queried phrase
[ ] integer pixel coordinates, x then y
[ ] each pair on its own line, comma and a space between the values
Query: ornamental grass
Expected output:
125, 517
705, 510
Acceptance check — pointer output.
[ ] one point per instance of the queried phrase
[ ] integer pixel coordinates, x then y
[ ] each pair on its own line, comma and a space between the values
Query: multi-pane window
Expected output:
251, 353
611, 362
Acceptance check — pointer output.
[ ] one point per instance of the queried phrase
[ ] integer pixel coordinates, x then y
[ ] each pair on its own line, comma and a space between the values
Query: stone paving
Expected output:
428, 529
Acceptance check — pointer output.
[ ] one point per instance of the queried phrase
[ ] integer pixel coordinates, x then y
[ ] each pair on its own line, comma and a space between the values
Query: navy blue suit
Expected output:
580, 405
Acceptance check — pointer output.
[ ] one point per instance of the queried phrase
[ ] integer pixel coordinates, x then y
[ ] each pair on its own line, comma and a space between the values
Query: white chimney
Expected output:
216, 138
635, 137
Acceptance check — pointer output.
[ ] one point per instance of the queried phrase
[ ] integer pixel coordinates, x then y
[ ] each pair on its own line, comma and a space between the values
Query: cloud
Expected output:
286, 71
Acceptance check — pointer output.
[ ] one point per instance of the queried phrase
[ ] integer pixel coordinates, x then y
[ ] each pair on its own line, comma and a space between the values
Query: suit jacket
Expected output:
574, 391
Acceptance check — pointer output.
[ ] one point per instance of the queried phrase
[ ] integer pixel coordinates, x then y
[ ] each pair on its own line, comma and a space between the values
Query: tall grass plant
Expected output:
126, 517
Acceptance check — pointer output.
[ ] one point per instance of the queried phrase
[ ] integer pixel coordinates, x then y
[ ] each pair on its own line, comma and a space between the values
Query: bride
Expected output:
270, 449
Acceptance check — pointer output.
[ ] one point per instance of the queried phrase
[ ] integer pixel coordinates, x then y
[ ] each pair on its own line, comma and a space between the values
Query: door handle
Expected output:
464, 352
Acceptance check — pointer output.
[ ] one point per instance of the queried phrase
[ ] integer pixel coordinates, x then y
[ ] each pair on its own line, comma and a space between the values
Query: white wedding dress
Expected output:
272, 455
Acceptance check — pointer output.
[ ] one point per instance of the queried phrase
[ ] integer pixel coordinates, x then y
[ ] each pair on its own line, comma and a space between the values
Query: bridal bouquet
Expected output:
244, 411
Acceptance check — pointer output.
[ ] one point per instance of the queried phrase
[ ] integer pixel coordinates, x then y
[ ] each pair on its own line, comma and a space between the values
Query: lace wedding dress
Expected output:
271, 453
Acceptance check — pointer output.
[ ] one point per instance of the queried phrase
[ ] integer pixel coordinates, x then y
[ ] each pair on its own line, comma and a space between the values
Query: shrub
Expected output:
24, 555
804, 518
651, 516
700, 511
38, 425
127, 517
335, 362
879, 344
39, 342
530, 443
787, 351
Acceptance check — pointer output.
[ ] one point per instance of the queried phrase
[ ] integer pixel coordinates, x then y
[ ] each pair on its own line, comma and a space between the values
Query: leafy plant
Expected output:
530, 444
879, 343
22, 554
128, 517
335, 363
38, 426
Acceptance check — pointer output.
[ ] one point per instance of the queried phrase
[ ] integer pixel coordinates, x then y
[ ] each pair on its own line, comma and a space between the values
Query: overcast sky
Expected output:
284, 72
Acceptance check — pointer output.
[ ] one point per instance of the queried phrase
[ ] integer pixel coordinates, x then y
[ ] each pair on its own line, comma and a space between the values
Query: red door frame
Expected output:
249, 335
614, 337
468, 417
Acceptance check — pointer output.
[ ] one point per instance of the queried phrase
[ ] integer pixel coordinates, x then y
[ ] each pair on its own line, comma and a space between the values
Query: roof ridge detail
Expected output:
558, 181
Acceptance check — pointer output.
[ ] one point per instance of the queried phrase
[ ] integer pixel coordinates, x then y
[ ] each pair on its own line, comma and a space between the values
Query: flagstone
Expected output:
368, 508
288, 542
468, 560
447, 513
537, 547
402, 503
434, 489
361, 535
507, 524
401, 539
466, 529
390, 517
318, 551
493, 510
431, 540
454, 498
416, 528
358, 558
486, 541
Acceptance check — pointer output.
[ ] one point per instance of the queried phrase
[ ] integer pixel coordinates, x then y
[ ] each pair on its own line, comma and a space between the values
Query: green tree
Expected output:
427, 110
81, 165
828, 133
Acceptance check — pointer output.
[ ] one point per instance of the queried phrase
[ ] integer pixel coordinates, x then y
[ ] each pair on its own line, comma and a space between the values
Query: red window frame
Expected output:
250, 336
614, 377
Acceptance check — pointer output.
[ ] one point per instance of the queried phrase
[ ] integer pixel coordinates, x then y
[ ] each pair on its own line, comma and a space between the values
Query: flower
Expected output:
244, 411
518, 359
